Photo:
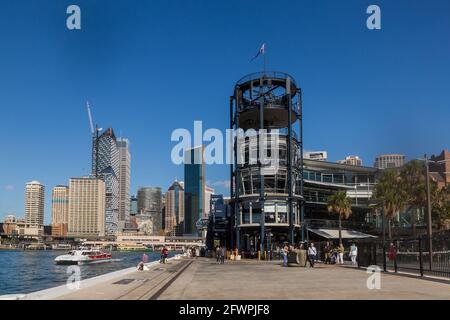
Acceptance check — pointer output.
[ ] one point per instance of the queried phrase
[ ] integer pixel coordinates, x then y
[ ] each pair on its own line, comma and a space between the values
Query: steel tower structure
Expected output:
267, 198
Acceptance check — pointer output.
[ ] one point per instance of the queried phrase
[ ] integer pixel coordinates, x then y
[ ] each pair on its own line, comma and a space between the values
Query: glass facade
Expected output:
194, 189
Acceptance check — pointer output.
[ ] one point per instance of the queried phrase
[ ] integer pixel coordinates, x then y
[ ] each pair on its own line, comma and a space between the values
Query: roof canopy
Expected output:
346, 234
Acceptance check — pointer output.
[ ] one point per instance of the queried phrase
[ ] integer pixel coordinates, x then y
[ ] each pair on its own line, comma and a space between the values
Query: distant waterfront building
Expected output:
150, 204
124, 179
440, 168
194, 189
352, 161
86, 207
175, 209
9, 225
105, 165
60, 210
386, 161
34, 204
316, 155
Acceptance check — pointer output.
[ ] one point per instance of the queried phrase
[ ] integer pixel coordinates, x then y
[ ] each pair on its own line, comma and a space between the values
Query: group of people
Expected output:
220, 254
332, 255
335, 255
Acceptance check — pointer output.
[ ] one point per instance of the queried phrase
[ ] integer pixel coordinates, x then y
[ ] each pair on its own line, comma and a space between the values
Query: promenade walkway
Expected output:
203, 279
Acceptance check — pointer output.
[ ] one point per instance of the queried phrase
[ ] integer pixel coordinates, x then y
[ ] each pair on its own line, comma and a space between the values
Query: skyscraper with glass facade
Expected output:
105, 165
194, 188
174, 215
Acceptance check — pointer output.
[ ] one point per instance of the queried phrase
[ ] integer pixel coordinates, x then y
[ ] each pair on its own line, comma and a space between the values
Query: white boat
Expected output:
83, 256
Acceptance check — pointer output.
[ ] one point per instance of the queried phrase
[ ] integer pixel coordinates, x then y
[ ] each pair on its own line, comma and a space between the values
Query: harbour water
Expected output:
28, 271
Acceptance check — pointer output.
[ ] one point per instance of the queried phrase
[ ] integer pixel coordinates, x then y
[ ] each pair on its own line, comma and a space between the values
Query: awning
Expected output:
346, 234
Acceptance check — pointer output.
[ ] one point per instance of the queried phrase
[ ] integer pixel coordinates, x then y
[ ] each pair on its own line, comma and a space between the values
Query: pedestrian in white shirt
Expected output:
312, 253
353, 253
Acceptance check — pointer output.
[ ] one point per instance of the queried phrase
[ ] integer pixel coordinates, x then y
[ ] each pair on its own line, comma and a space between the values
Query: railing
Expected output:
268, 75
411, 255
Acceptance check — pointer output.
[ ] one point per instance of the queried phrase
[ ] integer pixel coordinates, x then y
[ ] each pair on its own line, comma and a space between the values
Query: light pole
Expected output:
429, 219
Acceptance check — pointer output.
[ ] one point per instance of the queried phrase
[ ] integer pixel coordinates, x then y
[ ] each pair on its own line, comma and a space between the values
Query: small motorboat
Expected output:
84, 256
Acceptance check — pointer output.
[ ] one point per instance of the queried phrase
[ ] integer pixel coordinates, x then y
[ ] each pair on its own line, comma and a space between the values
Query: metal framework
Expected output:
267, 104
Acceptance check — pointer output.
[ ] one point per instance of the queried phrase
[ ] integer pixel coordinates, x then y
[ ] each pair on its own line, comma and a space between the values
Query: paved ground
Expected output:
203, 279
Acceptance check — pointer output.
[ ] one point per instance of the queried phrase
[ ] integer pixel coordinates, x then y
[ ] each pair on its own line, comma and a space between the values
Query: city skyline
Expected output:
126, 92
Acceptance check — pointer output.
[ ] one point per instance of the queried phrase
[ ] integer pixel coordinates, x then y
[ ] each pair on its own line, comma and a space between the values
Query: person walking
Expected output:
312, 253
218, 253
353, 253
222, 254
327, 251
340, 254
284, 254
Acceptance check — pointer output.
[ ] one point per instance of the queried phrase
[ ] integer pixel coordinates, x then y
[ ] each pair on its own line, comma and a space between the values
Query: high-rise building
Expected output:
60, 210
124, 179
34, 203
174, 215
386, 161
86, 207
207, 205
150, 204
352, 161
194, 189
316, 155
105, 165
133, 206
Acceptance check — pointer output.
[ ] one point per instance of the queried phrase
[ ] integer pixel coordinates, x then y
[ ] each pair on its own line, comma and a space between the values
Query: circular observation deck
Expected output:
276, 91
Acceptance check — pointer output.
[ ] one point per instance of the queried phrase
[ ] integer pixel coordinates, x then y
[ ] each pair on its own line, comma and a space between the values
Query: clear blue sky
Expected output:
149, 67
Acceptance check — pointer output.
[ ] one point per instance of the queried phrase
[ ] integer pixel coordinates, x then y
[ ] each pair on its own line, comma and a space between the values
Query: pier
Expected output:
203, 279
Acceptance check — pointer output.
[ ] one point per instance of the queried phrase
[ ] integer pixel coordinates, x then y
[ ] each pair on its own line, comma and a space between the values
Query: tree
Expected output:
413, 183
441, 207
340, 204
391, 194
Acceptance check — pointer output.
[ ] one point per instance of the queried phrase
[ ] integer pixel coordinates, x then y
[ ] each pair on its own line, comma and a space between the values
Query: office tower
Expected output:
386, 161
316, 155
150, 204
174, 216
124, 179
134, 206
351, 160
34, 203
87, 199
60, 210
105, 165
194, 189
207, 204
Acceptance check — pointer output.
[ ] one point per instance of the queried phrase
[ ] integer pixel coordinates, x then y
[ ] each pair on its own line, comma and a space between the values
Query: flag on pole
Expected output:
262, 51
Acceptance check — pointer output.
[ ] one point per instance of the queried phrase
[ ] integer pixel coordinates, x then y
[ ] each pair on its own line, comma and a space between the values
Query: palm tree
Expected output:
412, 177
340, 204
391, 194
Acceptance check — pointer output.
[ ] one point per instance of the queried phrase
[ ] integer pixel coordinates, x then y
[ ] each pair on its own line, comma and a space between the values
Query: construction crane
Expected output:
94, 131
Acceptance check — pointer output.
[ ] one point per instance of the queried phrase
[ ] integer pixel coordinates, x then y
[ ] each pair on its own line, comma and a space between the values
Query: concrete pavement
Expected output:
203, 279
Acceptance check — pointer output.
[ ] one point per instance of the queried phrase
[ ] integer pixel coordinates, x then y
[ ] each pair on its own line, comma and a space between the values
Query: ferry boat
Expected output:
83, 256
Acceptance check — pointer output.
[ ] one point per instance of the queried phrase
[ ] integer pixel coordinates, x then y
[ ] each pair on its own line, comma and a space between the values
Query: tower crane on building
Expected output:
95, 133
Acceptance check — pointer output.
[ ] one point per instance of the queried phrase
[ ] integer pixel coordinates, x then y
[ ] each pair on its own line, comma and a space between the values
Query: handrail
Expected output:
267, 74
